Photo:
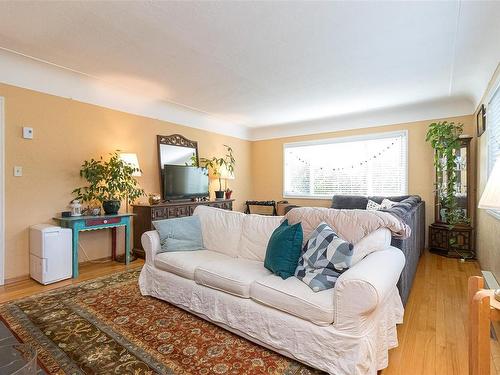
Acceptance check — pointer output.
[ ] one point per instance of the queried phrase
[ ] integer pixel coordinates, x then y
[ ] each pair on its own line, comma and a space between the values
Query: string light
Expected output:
373, 157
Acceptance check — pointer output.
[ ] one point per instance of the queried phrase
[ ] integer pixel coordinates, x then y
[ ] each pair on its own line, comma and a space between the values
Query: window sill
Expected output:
315, 197
494, 213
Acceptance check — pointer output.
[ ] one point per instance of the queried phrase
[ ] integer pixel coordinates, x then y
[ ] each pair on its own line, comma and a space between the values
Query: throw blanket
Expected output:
351, 225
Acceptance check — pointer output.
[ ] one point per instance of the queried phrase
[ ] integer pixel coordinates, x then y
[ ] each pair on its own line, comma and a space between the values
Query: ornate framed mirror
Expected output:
175, 149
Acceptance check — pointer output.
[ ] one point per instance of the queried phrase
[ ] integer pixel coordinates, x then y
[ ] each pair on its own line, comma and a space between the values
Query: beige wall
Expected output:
488, 227
66, 133
267, 162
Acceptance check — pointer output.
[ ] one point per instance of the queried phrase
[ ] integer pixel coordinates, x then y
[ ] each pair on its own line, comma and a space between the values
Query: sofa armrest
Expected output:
361, 289
151, 244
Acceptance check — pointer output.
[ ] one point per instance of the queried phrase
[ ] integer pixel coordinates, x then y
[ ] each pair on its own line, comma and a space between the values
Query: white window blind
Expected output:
493, 129
493, 134
376, 164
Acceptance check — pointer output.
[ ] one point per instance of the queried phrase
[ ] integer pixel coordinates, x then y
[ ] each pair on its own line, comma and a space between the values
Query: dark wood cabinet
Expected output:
453, 241
457, 241
146, 214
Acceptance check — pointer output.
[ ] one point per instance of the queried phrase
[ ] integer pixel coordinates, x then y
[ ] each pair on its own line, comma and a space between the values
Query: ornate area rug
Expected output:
105, 326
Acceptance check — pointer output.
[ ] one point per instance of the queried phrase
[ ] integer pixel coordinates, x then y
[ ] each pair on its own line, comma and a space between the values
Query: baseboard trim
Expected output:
17, 279
94, 261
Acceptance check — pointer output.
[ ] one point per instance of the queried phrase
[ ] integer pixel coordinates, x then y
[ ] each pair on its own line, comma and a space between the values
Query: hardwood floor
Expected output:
432, 339
88, 271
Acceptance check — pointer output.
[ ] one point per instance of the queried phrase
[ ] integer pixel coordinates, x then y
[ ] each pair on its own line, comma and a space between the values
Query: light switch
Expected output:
18, 171
27, 133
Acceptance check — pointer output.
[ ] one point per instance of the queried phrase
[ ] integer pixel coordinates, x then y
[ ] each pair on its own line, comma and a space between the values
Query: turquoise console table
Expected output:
85, 223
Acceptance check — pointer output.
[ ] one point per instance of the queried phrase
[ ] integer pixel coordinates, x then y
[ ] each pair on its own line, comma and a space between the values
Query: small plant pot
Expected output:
111, 207
219, 194
95, 211
228, 194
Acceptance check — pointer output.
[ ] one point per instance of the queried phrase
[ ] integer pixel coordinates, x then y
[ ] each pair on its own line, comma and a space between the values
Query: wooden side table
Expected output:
79, 224
483, 308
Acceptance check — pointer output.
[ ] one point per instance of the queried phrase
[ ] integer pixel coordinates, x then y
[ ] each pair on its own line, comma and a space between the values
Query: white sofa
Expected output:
346, 330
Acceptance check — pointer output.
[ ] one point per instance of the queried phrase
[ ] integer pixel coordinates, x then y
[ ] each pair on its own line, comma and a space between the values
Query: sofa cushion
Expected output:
375, 241
183, 263
294, 297
373, 206
256, 232
403, 208
283, 249
221, 229
349, 202
387, 203
230, 275
394, 198
179, 234
324, 258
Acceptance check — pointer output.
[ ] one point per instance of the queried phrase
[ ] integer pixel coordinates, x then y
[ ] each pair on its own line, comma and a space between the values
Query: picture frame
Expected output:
481, 120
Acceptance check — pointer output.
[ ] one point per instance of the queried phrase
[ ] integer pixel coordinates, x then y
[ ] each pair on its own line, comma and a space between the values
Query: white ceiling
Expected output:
264, 65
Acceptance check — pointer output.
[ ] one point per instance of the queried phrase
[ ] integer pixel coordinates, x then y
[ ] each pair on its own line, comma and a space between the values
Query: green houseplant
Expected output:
109, 182
444, 138
217, 165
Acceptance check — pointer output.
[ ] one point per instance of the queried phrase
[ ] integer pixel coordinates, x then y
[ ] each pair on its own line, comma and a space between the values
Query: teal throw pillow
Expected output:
283, 249
179, 234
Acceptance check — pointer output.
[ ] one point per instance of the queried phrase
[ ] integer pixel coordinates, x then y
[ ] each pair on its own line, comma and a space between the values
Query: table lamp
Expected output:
490, 199
225, 175
131, 159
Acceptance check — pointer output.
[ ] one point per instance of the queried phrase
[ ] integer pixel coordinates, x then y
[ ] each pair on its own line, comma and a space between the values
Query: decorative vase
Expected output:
219, 194
95, 211
111, 207
228, 194
154, 199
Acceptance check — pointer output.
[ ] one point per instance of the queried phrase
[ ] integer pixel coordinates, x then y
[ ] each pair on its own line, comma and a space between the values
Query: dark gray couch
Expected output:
411, 209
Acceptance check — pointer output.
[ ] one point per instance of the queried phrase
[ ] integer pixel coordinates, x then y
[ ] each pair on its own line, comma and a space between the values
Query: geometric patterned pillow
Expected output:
324, 258
373, 206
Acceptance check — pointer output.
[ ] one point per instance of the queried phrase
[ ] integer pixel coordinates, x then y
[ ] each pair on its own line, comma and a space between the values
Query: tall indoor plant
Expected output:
109, 182
216, 166
444, 138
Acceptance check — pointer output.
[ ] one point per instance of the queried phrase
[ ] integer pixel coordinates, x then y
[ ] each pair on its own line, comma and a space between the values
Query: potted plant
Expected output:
109, 182
218, 166
445, 140
452, 220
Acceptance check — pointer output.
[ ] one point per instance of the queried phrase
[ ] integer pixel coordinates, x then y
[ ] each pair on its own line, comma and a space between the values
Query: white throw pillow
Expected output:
386, 203
373, 206
375, 241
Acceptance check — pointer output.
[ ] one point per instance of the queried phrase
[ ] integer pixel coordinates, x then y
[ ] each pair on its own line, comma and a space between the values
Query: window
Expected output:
493, 129
375, 164
493, 134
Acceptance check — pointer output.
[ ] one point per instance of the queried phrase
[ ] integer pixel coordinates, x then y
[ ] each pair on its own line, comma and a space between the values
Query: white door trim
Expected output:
2, 191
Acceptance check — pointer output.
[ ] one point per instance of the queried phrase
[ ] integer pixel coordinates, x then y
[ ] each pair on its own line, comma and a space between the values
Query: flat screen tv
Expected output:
184, 182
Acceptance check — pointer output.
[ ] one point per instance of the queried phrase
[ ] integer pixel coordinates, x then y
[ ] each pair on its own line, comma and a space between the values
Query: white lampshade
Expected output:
222, 173
131, 159
490, 199
225, 174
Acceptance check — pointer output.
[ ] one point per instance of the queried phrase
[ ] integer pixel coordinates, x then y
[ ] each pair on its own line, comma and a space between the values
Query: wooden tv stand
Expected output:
146, 214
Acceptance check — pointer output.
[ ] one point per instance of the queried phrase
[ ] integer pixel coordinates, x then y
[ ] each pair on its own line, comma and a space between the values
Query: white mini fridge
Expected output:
50, 253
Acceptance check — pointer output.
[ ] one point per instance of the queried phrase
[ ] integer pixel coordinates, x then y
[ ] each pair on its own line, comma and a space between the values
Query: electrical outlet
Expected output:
18, 171
27, 133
